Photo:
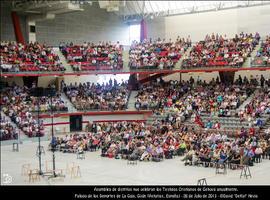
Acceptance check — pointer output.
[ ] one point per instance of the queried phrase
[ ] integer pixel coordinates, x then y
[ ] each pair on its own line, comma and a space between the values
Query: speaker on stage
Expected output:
75, 123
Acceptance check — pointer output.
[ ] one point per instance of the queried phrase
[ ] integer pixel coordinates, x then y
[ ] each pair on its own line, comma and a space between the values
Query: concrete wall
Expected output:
156, 28
248, 74
196, 75
66, 127
92, 24
96, 24
6, 25
10, 80
44, 81
228, 22
209, 76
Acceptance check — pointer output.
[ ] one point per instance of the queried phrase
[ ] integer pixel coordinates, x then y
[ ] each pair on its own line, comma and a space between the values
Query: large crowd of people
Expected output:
218, 50
7, 131
18, 104
90, 56
90, 96
214, 50
187, 97
260, 104
17, 57
159, 54
136, 141
262, 57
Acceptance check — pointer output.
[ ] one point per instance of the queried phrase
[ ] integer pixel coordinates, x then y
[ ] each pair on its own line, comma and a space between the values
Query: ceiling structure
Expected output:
130, 10
44, 6
152, 9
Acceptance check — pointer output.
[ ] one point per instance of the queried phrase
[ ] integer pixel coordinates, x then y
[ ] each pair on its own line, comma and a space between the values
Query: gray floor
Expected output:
104, 171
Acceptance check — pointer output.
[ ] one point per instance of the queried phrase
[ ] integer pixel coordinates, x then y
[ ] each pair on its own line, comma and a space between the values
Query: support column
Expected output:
17, 27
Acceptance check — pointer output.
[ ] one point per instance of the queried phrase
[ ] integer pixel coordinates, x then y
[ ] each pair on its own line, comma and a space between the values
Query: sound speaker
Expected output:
49, 92
37, 92
32, 29
75, 123
40, 92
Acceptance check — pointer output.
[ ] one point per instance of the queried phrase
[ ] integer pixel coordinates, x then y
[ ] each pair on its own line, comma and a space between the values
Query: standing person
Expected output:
262, 81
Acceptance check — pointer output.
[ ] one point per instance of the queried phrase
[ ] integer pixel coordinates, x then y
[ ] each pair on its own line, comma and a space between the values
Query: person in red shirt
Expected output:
199, 121
252, 131
217, 125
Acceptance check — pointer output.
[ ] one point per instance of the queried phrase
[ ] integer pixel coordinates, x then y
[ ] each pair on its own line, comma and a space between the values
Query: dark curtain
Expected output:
29, 80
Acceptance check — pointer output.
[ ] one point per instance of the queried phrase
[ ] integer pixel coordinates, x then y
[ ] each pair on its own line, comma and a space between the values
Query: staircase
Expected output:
126, 60
246, 102
231, 122
178, 65
63, 59
132, 100
265, 127
247, 63
158, 117
155, 117
68, 103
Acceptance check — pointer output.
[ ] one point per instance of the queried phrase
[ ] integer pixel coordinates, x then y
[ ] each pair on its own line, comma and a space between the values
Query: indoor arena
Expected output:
135, 93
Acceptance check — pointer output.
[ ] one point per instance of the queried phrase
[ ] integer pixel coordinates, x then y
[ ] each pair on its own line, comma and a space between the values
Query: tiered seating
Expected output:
231, 123
136, 141
220, 51
89, 56
29, 57
87, 96
73, 143
218, 149
184, 98
263, 54
157, 54
259, 105
18, 104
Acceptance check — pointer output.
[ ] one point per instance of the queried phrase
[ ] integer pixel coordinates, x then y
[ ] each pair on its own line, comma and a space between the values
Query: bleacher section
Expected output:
219, 51
89, 56
87, 96
18, 104
29, 57
157, 54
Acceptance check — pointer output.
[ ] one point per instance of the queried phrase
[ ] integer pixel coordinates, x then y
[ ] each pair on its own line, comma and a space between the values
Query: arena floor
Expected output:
96, 170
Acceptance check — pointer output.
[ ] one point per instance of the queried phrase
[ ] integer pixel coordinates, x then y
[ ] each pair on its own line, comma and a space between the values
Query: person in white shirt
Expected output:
258, 154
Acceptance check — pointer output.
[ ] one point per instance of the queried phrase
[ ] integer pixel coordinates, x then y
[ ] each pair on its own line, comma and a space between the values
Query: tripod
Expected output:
40, 149
39, 92
53, 145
